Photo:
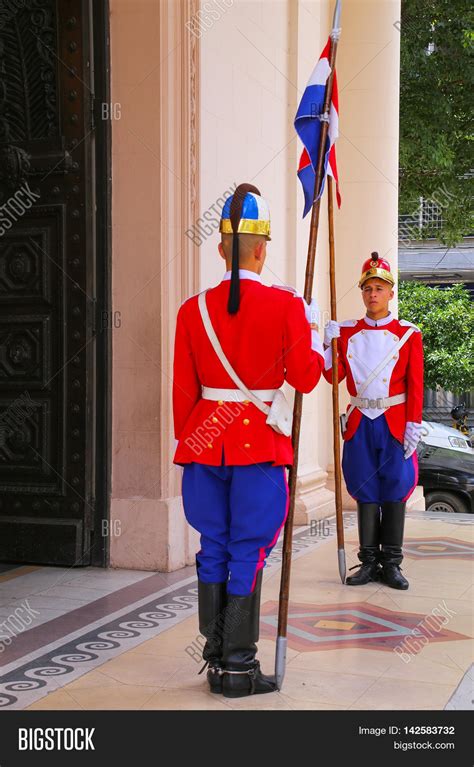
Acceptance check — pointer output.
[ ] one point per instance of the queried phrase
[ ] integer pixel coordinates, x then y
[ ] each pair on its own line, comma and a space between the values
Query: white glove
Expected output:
332, 330
411, 438
312, 312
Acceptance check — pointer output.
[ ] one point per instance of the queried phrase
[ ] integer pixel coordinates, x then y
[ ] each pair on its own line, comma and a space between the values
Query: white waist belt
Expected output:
235, 395
379, 402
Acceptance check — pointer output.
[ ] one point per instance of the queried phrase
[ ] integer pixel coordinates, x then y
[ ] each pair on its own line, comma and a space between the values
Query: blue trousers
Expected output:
239, 511
373, 464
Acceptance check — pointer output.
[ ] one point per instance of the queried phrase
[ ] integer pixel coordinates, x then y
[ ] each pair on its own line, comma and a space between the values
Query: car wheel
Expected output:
445, 502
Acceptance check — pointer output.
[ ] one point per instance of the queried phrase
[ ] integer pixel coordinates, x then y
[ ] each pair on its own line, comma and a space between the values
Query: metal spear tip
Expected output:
280, 661
341, 560
337, 15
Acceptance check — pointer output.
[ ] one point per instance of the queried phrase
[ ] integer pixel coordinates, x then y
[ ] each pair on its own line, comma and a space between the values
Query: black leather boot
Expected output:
241, 672
368, 519
211, 605
393, 523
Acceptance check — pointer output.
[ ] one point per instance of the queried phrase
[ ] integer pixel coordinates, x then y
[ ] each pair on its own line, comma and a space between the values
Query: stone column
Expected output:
155, 78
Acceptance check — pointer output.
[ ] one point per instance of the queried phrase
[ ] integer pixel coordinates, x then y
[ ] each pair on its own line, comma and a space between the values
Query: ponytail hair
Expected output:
235, 216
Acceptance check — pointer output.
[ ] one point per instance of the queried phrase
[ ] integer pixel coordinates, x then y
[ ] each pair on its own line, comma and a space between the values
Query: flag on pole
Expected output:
308, 128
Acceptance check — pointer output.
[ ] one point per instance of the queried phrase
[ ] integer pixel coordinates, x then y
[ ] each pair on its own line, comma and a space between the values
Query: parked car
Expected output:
446, 464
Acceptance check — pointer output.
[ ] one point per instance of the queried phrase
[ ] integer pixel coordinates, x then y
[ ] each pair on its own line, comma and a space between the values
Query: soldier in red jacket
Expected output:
235, 490
382, 360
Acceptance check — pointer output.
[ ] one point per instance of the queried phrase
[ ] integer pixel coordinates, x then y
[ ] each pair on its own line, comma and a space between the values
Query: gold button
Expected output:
220, 402
384, 380
350, 356
362, 331
246, 402
246, 421
209, 444
351, 339
394, 356
215, 420
247, 445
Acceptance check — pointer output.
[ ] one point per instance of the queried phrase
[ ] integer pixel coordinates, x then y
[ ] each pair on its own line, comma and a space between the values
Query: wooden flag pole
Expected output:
341, 554
280, 656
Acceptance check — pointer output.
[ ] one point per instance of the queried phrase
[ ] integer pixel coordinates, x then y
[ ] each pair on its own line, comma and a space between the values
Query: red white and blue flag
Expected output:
308, 127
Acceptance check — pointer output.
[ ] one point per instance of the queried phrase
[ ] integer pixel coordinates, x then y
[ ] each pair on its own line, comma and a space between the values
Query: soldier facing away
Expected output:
234, 442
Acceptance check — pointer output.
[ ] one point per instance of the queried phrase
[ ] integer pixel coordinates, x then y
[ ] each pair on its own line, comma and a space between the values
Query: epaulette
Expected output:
407, 324
195, 295
348, 323
286, 287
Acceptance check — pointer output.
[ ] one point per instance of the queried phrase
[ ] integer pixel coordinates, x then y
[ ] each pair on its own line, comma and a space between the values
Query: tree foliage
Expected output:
436, 84
446, 320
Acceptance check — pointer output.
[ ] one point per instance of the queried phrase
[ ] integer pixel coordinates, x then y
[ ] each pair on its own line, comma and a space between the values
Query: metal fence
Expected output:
438, 404
423, 223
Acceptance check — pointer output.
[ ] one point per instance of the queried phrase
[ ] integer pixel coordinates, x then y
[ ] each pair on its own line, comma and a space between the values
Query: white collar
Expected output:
244, 274
379, 323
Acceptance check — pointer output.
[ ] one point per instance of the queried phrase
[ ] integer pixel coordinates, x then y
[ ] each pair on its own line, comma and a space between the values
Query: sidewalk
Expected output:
118, 639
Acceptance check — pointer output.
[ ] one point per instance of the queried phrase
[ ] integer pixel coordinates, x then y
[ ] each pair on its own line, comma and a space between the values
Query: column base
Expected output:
416, 501
151, 534
313, 498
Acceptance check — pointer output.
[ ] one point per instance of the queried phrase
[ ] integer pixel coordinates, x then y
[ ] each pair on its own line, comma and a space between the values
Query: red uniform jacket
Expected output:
267, 341
361, 347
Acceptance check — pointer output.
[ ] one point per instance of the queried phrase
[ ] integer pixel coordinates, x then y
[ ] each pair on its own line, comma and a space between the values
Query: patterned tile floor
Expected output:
110, 639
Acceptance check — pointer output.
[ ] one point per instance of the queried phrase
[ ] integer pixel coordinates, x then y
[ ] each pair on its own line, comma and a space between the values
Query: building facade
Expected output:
213, 105
134, 119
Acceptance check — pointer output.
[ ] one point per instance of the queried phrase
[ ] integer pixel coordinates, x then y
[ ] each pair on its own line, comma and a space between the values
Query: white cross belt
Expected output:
235, 395
379, 402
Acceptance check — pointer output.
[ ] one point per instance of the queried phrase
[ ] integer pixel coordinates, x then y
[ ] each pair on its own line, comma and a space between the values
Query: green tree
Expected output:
436, 84
446, 320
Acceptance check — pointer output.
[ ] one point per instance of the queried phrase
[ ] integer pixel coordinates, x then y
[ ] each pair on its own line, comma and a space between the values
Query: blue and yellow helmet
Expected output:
255, 217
